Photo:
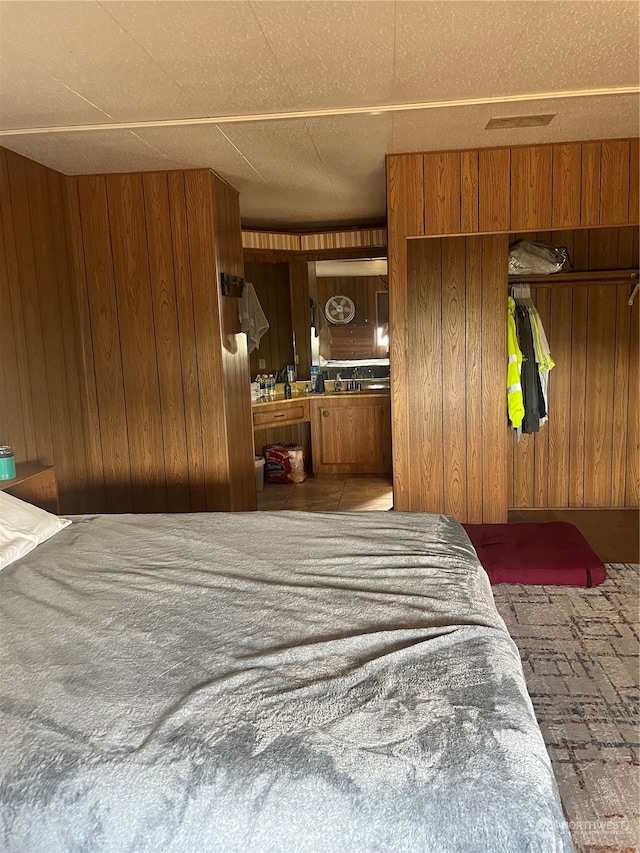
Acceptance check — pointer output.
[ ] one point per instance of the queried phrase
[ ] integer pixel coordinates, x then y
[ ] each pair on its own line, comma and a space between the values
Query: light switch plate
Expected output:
262, 364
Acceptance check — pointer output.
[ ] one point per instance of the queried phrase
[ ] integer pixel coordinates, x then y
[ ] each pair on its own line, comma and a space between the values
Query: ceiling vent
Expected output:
519, 121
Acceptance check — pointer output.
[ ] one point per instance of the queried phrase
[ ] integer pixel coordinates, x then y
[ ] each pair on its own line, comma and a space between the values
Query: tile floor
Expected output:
329, 494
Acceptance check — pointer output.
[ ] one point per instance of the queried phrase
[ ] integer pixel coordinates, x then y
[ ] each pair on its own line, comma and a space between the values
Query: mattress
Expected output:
266, 683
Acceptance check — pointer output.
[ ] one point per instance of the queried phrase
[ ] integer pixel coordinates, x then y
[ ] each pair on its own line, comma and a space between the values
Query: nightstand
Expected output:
35, 484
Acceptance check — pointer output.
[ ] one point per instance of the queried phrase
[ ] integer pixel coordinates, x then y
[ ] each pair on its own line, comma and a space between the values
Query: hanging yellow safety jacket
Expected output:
514, 368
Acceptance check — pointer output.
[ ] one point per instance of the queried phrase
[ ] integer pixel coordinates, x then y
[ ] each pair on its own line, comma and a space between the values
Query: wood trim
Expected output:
349, 239
494, 356
405, 189
286, 241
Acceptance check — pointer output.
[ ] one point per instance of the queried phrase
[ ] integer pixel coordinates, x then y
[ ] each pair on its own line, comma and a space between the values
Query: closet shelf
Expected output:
559, 278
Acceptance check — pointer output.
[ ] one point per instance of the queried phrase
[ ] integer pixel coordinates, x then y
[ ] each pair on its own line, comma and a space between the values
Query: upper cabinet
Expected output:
571, 185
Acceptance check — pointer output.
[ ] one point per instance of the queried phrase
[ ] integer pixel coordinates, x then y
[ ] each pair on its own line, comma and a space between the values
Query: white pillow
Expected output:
23, 527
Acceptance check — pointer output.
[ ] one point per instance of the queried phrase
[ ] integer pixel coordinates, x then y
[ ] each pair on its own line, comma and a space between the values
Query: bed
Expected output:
265, 683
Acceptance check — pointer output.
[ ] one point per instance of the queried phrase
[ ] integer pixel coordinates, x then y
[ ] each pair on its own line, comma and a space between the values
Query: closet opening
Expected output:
583, 464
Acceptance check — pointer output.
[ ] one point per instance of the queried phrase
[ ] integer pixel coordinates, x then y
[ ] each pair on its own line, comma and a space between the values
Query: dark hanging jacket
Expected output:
530, 380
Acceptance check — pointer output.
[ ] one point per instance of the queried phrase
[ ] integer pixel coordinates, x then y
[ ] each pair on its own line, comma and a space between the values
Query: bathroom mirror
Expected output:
286, 287
348, 341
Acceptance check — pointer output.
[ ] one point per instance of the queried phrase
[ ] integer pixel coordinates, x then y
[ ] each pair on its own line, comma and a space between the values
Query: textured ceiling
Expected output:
105, 63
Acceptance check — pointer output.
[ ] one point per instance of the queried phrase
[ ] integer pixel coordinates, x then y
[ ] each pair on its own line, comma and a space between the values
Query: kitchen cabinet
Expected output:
277, 413
351, 434
282, 422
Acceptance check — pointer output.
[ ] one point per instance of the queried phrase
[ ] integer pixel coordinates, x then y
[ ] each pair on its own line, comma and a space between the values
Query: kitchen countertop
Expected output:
296, 398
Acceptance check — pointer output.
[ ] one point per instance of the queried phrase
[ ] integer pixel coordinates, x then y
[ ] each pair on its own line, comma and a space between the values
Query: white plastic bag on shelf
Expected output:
527, 258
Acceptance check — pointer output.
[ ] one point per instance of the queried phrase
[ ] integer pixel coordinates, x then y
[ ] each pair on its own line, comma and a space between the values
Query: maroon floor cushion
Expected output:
554, 552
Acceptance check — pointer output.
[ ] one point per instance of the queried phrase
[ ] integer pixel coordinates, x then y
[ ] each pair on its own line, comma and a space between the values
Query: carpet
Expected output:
551, 553
580, 653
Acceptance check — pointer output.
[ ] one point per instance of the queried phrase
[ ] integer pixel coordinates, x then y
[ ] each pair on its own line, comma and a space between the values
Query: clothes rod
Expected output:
568, 278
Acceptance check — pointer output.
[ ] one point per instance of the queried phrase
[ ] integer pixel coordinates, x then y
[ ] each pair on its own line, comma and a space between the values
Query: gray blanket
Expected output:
266, 683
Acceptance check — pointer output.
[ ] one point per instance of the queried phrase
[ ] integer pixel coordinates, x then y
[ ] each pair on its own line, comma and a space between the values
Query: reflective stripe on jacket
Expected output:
514, 368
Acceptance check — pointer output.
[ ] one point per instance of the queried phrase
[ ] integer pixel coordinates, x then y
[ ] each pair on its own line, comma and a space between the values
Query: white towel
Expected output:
252, 318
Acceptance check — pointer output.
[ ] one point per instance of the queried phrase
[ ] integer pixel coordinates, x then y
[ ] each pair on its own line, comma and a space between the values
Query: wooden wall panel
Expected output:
169, 360
578, 367
531, 179
614, 182
425, 436
621, 380
590, 187
105, 343
187, 339
469, 191
559, 328
167, 336
454, 373
139, 355
442, 192
507, 189
27, 252
567, 176
73, 493
39, 368
473, 370
541, 457
458, 439
94, 497
601, 313
494, 189
17, 425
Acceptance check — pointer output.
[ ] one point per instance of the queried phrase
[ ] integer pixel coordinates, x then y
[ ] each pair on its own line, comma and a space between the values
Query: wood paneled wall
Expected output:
573, 185
41, 386
271, 282
507, 189
166, 367
587, 454
452, 404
